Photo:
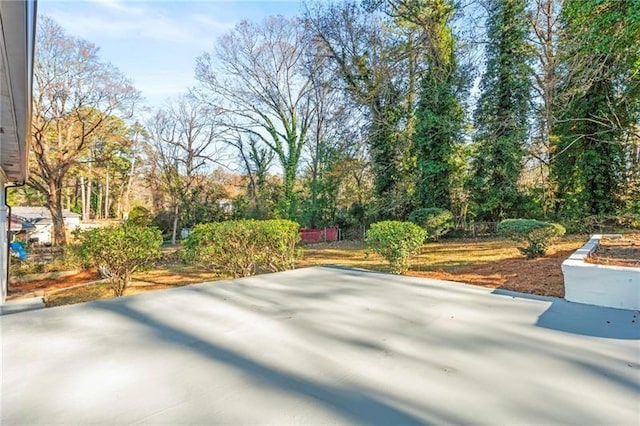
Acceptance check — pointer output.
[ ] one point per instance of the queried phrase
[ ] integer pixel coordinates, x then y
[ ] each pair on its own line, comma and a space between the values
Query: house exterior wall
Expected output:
4, 260
17, 41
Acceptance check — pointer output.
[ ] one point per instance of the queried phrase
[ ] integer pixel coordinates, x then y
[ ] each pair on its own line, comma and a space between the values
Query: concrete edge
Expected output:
22, 305
577, 258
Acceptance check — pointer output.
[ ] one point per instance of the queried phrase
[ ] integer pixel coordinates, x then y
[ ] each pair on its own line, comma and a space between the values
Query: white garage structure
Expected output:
17, 41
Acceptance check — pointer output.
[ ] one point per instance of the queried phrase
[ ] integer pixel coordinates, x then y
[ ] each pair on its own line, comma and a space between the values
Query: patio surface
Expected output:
322, 345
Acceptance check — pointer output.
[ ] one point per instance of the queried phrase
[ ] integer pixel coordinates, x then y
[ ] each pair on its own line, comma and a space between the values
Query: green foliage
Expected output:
163, 221
395, 241
438, 126
537, 235
501, 117
393, 165
200, 204
603, 224
244, 247
439, 114
140, 216
597, 106
435, 221
68, 261
123, 250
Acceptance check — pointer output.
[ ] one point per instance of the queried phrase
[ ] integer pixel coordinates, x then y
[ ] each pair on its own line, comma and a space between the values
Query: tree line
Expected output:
354, 112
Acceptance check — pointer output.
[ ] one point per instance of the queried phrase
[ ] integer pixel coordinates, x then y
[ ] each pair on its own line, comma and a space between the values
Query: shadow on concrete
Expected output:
360, 347
587, 320
352, 404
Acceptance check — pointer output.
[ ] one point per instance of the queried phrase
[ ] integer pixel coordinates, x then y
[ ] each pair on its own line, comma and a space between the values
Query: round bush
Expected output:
395, 241
536, 234
122, 249
243, 247
437, 222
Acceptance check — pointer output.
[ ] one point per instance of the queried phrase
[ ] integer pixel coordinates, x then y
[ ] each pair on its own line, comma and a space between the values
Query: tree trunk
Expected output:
55, 207
83, 197
174, 233
127, 195
89, 186
106, 195
99, 206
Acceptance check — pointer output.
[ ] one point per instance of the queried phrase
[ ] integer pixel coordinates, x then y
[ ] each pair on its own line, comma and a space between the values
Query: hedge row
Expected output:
244, 247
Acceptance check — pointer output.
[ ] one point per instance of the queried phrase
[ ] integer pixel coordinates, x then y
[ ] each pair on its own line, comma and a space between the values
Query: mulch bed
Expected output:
623, 251
542, 276
21, 289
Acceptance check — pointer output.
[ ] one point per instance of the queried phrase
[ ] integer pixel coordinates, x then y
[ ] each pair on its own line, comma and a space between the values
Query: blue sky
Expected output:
156, 43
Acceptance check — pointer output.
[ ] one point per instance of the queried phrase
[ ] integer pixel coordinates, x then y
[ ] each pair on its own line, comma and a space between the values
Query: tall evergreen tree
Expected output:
439, 113
501, 115
598, 104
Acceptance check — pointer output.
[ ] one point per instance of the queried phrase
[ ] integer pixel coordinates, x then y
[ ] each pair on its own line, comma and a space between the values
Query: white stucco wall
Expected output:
601, 285
3, 240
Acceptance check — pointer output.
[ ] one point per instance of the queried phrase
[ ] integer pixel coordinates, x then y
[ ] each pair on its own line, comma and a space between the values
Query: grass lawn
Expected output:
494, 263
168, 275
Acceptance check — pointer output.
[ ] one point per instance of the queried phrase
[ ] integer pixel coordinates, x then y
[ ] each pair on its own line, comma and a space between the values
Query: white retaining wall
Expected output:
601, 285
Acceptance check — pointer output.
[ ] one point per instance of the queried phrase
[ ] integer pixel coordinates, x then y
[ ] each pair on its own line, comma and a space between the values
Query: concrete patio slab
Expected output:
318, 346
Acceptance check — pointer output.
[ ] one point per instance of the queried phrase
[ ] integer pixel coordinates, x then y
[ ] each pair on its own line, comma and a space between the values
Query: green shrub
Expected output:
279, 239
537, 235
395, 241
244, 247
123, 250
435, 221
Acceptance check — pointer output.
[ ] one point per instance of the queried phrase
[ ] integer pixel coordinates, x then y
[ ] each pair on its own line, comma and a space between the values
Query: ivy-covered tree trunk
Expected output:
439, 113
438, 125
597, 107
501, 116
393, 165
589, 165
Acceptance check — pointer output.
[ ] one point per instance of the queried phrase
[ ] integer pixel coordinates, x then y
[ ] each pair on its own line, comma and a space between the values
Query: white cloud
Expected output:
118, 5
122, 21
156, 42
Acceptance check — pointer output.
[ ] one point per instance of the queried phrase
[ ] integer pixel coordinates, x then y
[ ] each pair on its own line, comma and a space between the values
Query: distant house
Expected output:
40, 217
227, 206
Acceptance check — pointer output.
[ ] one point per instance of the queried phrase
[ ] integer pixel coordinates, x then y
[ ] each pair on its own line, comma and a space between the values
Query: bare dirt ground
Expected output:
38, 287
542, 276
623, 251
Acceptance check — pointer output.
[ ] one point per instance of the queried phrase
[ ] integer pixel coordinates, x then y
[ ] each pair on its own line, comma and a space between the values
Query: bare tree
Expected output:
257, 75
183, 137
255, 161
379, 68
75, 94
545, 25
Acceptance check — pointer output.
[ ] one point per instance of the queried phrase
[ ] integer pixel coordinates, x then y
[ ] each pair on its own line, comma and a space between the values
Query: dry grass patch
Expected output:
494, 263
162, 278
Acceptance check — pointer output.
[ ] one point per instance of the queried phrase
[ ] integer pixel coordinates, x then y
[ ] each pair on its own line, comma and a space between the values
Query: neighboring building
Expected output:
227, 206
40, 217
17, 41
